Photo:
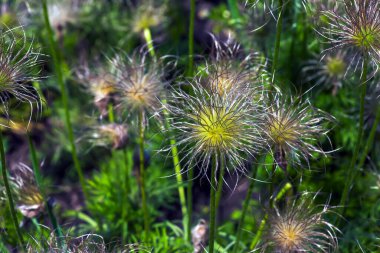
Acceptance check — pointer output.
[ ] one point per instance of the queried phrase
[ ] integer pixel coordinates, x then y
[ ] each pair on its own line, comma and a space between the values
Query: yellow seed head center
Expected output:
335, 66
281, 132
216, 127
290, 235
366, 37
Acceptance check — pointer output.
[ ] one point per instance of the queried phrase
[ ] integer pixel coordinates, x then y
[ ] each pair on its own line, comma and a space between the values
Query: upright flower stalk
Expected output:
278, 37
191, 38
174, 150
9, 193
351, 169
41, 188
142, 177
140, 88
244, 210
59, 75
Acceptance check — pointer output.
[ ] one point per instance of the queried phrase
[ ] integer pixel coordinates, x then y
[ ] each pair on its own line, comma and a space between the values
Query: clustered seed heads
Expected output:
19, 68
357, 31
293, 129
301, 227
87, 243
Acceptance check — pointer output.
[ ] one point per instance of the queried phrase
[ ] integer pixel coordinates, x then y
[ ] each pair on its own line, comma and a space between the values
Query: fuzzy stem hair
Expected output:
214, 168
58, 71
278, 37
351, 170
142, 177
246, 202
41, 188
191, 37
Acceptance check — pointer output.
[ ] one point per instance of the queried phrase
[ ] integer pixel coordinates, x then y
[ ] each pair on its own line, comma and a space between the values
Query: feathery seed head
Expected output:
101, 84
30, 201
210, 124
110, 136
140, 84
19, 68
199, 235
293, 128
230, 69
329, 71
357, 30
335, 66
147, 15
300, 228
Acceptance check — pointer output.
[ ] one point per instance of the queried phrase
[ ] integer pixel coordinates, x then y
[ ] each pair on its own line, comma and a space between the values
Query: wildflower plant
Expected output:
301, 227
209, 124
222, 128
294, 128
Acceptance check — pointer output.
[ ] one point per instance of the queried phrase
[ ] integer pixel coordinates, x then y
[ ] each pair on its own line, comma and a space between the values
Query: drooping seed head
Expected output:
294, 129
357, 31
210, 124
301, 227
